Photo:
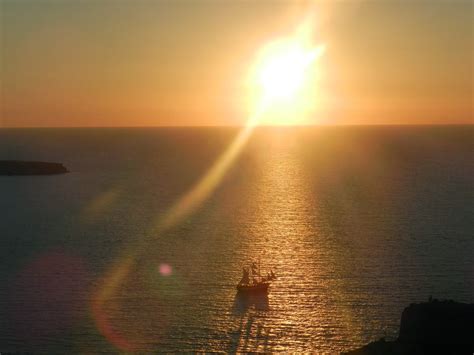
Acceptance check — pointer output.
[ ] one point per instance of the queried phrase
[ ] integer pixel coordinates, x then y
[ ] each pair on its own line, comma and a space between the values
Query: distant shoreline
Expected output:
22, 168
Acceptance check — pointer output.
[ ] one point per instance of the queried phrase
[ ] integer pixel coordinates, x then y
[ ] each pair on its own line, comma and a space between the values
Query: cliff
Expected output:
17, 167
434, 327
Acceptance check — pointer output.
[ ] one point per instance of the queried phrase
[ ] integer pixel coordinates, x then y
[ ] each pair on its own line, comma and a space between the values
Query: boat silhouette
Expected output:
253, 282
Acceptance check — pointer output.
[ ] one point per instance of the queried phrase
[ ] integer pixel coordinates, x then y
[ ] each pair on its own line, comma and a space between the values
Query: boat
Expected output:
253, 282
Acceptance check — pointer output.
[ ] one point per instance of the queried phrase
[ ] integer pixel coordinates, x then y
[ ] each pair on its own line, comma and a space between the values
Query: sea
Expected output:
140, 247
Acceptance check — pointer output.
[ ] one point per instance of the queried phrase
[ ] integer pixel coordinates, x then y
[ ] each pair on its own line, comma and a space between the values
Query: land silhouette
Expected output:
433, 327
20, 167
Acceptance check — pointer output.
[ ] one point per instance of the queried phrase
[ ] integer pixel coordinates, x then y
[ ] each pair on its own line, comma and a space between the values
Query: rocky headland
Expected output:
434, 327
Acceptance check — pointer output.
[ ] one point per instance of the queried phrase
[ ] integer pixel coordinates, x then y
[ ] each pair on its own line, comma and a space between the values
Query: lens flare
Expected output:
165, 269
281, 76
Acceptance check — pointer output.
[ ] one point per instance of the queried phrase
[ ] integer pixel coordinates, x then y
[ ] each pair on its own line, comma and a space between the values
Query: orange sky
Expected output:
147, 63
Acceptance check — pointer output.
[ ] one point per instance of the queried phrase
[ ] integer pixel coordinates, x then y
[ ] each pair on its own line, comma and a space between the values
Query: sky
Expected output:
187, 63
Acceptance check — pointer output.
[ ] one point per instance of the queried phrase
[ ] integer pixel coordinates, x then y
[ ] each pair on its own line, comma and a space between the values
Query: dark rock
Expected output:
438, 322
17, 167
435, 327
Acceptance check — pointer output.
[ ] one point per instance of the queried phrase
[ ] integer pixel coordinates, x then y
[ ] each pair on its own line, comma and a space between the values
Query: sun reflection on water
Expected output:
285, 231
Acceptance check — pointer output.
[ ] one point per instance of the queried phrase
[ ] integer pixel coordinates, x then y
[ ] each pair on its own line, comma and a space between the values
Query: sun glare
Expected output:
283, 78
284, 74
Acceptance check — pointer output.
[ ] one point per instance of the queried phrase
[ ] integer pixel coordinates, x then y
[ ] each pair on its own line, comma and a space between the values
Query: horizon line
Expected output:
241, 126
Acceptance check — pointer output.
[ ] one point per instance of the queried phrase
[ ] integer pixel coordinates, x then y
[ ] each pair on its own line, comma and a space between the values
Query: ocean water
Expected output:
357, 223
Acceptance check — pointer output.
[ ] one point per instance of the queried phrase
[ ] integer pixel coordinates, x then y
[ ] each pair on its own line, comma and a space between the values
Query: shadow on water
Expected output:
247, 307
244, 302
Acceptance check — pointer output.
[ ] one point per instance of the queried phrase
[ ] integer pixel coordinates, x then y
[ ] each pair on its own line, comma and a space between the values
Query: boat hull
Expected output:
258, 288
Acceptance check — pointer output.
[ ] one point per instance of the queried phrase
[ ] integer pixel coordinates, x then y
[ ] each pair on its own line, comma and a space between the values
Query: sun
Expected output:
283, 74
283, 78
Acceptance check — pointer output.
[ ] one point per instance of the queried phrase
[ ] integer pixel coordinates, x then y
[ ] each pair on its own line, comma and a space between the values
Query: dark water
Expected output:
357, 222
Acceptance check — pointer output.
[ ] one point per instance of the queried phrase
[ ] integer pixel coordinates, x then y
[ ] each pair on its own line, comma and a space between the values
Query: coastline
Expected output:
20, 167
